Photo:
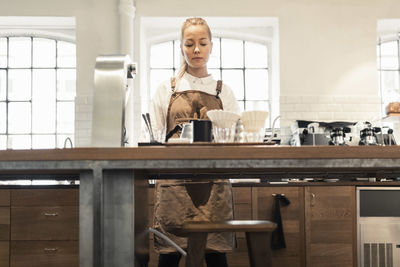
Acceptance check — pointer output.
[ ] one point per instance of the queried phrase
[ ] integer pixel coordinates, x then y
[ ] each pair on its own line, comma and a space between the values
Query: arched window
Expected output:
245, 56
389, 70
243, 65
37, 92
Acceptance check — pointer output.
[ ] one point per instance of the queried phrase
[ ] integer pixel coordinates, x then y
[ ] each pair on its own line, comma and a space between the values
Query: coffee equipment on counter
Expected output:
305, 133
368, 135
338, 135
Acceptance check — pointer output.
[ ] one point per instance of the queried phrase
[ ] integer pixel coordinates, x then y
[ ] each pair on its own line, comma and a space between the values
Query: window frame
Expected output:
52, 28
263, 30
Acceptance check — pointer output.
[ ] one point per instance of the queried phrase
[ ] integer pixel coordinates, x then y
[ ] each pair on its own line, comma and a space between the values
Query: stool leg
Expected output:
259, 249
195, 249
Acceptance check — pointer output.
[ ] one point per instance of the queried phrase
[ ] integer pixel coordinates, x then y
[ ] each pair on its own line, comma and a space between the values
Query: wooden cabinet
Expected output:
330, 226
44, 227
319, 224
4, 227
292, 220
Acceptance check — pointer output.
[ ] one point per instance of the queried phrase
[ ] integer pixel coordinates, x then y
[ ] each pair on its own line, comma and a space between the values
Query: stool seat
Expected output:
230, 226
258, 237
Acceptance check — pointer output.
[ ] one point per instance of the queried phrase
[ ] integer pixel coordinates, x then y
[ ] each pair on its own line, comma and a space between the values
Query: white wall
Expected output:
327, 47
97, 32
327, 50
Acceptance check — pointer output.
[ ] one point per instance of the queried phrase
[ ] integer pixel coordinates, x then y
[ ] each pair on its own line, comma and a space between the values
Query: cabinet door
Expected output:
330, 226
292, 220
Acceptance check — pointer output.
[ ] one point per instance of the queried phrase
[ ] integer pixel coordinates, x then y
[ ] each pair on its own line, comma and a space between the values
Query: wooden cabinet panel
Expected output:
4, 223
44, 253
4, 197
239, 257
292, 220
45, 197
45, 223
330, 226
4, 253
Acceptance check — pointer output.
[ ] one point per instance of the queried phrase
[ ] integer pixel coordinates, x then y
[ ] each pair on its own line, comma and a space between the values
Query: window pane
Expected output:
43, 101
65, 117
19, 117
161, 55
19, 141
61, 140
44, 53
3, 84
19, 84
389, 48
256, 55
389, 63
232, 53
215, 59
177, 54
157, 77
66, 54
216, 73
390, 80
3, 52
257, 105
3, 142
66, 84
3, 118
20, 52
234, 78
241, 105
43, 141
256, 84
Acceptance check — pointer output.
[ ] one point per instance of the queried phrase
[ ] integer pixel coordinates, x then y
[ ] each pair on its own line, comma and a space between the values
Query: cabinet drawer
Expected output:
4, 197
44, 253
45, 197
4, 253
4, 223
45, 223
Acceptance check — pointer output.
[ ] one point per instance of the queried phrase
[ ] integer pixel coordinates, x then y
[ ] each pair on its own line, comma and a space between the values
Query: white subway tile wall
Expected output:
329, 108
83, 120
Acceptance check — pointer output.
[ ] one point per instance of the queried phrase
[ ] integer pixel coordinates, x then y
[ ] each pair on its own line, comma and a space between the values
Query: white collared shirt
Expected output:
160, 100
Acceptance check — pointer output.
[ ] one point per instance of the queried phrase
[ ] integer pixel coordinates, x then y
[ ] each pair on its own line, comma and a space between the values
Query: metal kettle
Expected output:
368, 135
337, 136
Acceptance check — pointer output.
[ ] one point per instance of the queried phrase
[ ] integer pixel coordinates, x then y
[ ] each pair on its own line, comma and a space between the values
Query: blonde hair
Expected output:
185, 25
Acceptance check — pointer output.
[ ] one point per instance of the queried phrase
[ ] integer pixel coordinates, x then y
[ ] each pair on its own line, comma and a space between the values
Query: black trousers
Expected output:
214, 259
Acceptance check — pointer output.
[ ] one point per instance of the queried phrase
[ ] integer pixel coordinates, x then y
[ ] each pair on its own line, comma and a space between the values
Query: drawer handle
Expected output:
49, 250
313, 199
48, 214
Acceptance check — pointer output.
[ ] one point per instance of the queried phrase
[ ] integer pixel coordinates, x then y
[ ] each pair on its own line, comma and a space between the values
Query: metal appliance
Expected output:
319, 133
109, 99
378, 226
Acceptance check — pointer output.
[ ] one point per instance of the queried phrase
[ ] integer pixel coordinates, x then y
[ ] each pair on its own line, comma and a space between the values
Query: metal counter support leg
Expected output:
118, 218
90, 194
112, 213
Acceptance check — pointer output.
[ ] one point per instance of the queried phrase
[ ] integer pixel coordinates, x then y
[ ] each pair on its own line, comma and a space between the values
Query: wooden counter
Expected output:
113, 181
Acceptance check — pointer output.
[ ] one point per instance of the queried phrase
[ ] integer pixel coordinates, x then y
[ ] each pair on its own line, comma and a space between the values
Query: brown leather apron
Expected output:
178, 201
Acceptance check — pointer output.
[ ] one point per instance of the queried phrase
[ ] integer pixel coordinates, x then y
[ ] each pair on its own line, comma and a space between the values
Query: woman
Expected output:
191, 95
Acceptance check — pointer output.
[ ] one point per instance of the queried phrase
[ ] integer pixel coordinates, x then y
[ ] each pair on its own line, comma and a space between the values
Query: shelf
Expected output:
391, 118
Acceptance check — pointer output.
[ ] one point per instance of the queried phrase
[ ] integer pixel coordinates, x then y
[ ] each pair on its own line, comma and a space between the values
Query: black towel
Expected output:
278, 238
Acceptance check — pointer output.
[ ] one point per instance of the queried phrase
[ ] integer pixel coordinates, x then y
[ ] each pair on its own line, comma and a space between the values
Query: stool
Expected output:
258, 237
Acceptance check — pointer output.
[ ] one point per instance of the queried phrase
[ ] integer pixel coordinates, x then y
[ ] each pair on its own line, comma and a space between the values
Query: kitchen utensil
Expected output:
337, 136
146, 119
368, 135
221, 118
254, 120
202, 130
187, 132
223, 123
